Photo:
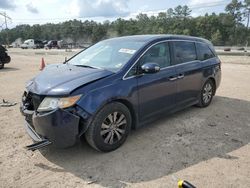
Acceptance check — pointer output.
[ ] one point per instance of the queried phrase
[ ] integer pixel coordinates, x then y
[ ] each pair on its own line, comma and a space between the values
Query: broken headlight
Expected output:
51, 103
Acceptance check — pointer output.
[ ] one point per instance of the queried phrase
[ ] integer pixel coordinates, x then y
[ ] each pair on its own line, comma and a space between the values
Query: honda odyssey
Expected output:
117, 85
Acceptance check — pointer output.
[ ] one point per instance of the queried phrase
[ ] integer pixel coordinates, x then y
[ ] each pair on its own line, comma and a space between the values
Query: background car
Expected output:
39, 44
52, 44
30, 43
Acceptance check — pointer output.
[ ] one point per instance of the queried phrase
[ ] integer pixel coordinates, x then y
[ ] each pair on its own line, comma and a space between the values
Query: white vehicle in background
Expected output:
30, 43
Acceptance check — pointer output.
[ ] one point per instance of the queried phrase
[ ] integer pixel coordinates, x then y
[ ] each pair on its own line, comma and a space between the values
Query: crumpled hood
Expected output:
61, 79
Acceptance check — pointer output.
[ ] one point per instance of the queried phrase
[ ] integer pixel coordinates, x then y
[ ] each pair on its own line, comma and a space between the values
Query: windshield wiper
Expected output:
87, 66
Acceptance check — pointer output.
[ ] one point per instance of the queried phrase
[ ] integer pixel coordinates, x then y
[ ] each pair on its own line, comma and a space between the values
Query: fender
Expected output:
97, 98
212, 70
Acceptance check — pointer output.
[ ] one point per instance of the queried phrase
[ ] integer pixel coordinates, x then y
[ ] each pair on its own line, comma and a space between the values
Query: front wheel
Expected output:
206, 94
110, 127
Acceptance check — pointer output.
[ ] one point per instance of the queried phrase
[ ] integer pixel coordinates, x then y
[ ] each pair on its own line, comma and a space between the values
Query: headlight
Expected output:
51, 103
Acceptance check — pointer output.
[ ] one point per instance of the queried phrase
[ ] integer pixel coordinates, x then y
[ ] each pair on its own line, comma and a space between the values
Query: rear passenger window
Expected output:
204, 51
184, 51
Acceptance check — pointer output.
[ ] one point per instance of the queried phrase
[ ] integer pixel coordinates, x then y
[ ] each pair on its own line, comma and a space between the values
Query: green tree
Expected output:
246, 11
220, 28
182, 11
216, 38
170, 13
234, 8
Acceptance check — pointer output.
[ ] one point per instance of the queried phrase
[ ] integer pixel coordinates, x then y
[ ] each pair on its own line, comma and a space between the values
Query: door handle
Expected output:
180, 76
173, 78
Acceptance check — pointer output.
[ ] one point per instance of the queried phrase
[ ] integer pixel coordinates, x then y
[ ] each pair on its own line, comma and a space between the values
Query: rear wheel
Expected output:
206, 94
1, 65
110, 127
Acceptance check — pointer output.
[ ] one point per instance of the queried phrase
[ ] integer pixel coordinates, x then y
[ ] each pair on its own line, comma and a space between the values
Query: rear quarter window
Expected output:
184, 51
204, 52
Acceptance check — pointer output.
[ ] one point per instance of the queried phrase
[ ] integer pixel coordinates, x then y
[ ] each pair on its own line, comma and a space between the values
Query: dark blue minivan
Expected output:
117, 85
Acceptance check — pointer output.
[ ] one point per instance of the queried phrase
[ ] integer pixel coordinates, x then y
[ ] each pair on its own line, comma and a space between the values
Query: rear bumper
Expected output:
59, 127
218, 77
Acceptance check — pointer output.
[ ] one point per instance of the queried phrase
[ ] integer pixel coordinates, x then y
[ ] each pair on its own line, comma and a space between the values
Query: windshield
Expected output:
110, 54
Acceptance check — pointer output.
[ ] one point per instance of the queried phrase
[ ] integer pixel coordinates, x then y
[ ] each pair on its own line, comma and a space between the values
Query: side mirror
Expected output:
150, 68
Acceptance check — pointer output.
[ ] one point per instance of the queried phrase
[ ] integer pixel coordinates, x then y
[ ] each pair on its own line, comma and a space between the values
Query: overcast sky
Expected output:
43, 11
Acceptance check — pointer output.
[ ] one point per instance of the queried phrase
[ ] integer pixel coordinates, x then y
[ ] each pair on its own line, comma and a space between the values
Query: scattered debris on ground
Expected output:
7, 103
212, 125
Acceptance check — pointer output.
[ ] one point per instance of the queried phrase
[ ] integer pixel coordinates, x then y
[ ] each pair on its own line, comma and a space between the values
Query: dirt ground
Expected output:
208, 147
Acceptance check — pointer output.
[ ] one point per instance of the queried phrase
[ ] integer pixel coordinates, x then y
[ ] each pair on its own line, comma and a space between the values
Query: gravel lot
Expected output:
208, 147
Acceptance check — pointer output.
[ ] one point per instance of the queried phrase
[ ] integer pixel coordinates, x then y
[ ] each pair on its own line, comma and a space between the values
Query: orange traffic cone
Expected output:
42, 65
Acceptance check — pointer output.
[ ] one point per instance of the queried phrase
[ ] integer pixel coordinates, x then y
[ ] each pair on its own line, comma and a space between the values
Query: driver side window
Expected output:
159, 54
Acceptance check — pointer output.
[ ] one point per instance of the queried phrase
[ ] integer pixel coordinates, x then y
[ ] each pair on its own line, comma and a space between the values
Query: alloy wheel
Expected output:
207, 93
113, 127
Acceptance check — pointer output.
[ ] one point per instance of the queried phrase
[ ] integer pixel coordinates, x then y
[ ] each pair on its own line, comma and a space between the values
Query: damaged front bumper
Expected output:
59, 128
39, 142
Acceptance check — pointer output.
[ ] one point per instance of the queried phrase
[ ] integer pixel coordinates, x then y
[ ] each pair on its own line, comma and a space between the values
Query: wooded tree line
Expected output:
228, 28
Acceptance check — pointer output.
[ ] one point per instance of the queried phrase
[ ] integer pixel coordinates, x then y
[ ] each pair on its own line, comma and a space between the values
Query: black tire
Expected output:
208, 89
1, 65
7, 58
101, 124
